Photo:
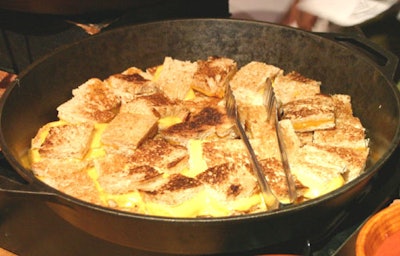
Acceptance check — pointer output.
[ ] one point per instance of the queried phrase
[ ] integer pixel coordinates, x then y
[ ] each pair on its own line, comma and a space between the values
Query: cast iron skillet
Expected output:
32, 101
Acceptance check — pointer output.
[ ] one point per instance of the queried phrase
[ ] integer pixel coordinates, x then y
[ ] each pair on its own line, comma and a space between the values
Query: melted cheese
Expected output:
197, 164
302, 125
318, 189
157, 73
33, 154
96, 148
165, 122
204, 203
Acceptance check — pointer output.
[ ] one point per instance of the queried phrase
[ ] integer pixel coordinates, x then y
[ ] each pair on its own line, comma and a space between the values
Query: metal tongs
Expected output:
270, 200
271, 104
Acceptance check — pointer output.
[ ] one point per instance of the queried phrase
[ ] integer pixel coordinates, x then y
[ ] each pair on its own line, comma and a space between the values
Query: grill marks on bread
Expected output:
131, 83
212, 75
209, 123
309, 114
176, 77
294, 86
64, 141
92, 102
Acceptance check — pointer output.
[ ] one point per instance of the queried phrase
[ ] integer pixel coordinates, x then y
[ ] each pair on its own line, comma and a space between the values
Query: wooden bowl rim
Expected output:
392, 211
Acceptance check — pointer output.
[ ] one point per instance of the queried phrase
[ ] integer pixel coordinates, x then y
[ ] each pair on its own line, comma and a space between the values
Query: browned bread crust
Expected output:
294, 86
212, 75
92, 102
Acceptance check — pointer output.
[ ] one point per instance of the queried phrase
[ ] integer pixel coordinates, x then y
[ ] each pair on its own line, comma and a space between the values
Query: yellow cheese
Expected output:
96, 147
126, 201
165, 122
157, 73
33, 154
302, 125
315, 189
197, 163
190, 95
203, 204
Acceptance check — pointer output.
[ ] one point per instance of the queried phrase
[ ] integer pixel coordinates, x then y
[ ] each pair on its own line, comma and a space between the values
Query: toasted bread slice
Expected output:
175, 191
162, 155
211, 122
256, 122
134, 70
212, 75
65, 141
348, 133
225, 150
313, 113
159, 103
293, 86
221, 151
176, 78
354, 158
127, 131
139, 106
248, 84
319, 170
201, 101
53, 168
92, 102
117, 176
343, 107
276, 178
78, 185
131, 83
68, 176
305, 137
291, 140
230, 182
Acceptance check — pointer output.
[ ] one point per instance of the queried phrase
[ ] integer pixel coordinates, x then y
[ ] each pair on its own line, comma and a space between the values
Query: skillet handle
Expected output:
387, 61
14, 185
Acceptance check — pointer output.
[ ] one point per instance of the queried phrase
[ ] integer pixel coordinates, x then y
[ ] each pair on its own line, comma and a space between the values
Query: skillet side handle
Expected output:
387, 61
14, 185
14, 189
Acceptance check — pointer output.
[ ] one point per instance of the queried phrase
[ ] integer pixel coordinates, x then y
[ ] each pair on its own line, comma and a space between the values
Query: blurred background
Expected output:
31, 29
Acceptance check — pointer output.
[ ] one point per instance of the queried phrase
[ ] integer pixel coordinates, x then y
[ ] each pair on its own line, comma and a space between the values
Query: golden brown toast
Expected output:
176, 78
309, 114
354, 158
248, 84
68, 176
176, 190
92, 102
211, 122
162, 155
116, 176
348, 133
131, 83
66, 141
127, 131
229, 182
313, 166
158, 104
212, 75
294, 86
